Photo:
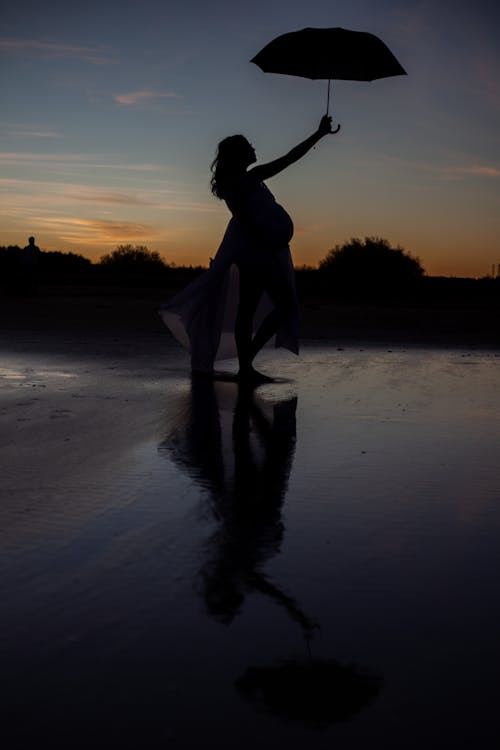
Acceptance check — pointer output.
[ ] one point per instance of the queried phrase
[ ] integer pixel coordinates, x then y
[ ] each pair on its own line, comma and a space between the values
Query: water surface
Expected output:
168, 546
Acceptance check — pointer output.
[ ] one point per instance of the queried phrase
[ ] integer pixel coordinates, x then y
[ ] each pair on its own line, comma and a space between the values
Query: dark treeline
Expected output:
359, 271
128, 266
429, 290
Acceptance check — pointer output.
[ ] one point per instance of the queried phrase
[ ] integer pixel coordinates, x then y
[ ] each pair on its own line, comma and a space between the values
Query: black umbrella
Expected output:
329, 54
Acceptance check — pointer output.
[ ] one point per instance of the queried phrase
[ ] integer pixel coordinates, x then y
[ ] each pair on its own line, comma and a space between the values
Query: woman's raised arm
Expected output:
264, 171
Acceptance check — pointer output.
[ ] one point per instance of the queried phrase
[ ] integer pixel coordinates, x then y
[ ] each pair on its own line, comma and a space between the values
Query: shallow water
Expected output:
344, 520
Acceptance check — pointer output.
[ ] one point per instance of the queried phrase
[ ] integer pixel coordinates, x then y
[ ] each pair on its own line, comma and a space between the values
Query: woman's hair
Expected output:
231, 158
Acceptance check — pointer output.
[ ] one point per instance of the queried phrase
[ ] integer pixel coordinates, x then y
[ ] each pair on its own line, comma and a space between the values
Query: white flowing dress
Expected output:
202, 316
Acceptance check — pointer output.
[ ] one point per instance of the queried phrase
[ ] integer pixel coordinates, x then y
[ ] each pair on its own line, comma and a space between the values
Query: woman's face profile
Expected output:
251, 154
243, 152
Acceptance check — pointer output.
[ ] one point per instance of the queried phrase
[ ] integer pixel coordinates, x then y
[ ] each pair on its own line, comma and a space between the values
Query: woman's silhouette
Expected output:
248, 294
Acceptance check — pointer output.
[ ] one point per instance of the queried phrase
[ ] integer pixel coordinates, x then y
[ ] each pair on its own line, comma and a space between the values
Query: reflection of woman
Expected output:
247, 486
203, 316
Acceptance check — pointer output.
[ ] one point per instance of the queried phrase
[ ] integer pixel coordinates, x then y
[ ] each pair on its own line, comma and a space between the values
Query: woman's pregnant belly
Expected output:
272, 224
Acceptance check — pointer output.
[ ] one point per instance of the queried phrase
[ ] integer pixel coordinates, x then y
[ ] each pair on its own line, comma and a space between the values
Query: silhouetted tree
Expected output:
133, 258
371, 266
133, 265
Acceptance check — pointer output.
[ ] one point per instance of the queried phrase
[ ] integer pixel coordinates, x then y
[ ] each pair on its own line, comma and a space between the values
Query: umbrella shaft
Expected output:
328, 98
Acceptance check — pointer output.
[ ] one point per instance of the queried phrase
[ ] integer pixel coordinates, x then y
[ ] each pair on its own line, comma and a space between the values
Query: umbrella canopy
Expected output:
318, 693
332, 53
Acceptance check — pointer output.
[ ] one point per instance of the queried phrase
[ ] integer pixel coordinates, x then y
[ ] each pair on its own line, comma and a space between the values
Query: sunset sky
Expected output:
111, 112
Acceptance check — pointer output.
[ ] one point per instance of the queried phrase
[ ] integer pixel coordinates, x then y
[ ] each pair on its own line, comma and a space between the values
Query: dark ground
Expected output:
72, 311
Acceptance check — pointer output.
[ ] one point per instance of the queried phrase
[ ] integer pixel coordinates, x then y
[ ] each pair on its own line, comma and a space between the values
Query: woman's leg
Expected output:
283, 299
250, 293
254, 280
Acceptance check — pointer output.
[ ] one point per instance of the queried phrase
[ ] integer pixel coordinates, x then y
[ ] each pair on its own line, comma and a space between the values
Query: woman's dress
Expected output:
202, 316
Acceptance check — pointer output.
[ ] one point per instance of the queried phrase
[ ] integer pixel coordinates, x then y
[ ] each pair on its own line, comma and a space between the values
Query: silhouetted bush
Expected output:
369, 268
133, 265
134, 258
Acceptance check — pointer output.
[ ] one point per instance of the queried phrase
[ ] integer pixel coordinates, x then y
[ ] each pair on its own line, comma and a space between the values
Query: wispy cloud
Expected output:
19, 196
37, 134
27, 130
134, 98
104, 230
167, 199
106, 198
458, 172
452, 167
54, 49
83, 230
478, 170
71, 160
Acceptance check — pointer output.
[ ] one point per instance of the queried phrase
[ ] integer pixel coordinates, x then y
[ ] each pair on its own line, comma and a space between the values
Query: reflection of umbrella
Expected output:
329, 54
317, 693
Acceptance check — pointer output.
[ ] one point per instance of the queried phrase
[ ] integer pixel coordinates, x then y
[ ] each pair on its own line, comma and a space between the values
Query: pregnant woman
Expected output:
247, 296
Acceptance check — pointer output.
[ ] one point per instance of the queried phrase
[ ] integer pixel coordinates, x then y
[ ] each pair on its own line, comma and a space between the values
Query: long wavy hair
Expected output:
232, 158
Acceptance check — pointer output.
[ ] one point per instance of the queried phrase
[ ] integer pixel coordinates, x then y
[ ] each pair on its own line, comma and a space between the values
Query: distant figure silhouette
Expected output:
244, 464
248, 293
29, 265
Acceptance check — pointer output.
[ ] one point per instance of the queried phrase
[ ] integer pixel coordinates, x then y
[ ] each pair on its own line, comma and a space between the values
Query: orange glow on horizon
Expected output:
435, 263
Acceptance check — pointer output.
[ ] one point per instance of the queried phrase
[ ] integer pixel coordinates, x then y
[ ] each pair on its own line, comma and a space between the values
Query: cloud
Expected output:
37, 134
98, 196
53, 49
27, 130
61, 160
19, 196
102, 229
463, 171
138, 97
92, 230
479, 170
459, 170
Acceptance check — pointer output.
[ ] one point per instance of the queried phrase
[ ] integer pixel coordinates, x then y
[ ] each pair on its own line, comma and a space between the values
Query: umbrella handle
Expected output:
328, 107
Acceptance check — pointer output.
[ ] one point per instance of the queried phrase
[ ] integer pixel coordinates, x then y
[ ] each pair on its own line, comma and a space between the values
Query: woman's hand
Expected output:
325, 125
265, 171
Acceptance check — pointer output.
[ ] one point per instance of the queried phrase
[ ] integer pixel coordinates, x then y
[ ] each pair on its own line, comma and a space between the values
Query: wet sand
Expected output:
165, 546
